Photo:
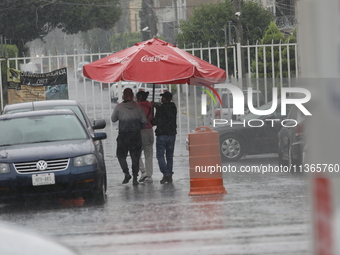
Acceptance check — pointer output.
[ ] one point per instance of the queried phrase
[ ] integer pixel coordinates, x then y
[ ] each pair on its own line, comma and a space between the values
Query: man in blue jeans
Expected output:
165, 120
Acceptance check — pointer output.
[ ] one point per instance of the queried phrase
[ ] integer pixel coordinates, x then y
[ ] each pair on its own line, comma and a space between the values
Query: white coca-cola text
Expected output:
157, 58
118, 60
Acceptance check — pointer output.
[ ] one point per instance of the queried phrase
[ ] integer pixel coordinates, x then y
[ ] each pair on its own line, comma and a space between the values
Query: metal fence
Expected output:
259, 66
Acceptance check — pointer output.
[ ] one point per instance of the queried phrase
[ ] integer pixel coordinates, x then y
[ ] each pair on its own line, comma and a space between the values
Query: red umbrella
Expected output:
154, 61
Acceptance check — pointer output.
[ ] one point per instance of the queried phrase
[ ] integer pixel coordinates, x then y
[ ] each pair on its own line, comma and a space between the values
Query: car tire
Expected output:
97, 197
231, 148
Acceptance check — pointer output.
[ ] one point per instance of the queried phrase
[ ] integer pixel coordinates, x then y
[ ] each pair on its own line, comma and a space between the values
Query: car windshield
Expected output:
74, 108
50, 107
41, 129
251, 116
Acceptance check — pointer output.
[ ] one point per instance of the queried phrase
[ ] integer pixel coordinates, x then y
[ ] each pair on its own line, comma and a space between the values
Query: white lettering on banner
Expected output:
157, 58
118, 60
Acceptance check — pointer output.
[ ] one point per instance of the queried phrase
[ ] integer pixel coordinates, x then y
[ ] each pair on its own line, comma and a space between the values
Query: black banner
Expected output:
27, 86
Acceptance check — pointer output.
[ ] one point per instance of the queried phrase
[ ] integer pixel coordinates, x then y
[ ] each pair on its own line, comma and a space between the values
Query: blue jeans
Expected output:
165, 146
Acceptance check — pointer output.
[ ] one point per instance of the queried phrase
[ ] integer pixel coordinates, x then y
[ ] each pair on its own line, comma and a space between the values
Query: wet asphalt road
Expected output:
260, 214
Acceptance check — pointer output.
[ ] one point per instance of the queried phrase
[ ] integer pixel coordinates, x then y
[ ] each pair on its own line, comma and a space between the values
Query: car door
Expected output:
287, 133
265, 138
262, 136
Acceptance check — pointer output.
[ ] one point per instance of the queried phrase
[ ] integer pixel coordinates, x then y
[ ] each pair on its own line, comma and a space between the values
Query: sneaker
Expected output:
148, 180
127, 178
170, 179
135, 182
166, 179
143, 177
163, 180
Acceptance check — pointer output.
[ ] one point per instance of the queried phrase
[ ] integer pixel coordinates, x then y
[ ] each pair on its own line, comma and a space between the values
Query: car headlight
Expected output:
85, 160
4, 168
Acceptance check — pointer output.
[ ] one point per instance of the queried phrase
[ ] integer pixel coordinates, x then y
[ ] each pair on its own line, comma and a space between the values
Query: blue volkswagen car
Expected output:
60, 104
50, 153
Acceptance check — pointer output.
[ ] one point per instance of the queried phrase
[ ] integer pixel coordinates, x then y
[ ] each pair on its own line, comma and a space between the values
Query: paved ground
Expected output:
260, 214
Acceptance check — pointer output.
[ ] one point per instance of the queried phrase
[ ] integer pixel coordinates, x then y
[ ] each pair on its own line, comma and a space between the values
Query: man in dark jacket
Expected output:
165, 120
131, 118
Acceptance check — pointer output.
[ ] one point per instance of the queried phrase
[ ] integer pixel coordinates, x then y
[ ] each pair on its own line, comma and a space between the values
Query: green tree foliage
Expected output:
124, 40
272, 55
255, 19
291, 55
274, 36
22, 21
209, 23
7, 51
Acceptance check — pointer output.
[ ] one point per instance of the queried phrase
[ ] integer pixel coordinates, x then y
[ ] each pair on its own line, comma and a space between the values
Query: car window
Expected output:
41, 128
258, 99
227, 100
295, 113
292, 113
71, 107
266, 106
76, 110
17, 110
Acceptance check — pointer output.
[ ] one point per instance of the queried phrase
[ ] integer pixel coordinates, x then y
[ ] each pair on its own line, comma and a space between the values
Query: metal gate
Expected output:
259, 66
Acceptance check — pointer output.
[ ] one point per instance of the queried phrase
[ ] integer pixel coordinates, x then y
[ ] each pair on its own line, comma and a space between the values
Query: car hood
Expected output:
46, 150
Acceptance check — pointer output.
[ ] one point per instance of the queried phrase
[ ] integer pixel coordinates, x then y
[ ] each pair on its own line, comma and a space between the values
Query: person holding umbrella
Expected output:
132, 119
166, 122
147, 138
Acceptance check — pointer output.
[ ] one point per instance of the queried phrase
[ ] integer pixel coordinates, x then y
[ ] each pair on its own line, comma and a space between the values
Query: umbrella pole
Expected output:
153, 97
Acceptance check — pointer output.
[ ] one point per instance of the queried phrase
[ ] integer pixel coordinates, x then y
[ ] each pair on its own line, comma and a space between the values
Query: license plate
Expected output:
43, 179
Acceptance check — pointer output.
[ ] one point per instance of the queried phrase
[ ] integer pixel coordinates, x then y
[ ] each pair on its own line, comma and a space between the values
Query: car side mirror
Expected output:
99, 136
99, 124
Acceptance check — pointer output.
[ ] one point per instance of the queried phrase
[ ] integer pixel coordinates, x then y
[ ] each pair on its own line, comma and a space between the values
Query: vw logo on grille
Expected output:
41, 165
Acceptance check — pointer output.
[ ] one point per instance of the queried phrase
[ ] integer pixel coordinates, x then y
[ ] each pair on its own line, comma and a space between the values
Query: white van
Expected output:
29, 67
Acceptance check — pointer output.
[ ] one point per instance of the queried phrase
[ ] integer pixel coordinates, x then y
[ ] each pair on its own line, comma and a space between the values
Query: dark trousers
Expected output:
165, 146
129, 142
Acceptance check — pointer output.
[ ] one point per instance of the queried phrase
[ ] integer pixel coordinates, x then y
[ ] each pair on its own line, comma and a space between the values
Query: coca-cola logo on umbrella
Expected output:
193, 61
157, 58
119, 60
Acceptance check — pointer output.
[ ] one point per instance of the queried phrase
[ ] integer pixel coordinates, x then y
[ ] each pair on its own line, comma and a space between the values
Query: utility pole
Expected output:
148, 19
238, 16
239, 40
176, 19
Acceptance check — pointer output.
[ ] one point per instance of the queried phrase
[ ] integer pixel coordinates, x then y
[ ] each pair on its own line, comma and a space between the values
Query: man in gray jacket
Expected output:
132, 119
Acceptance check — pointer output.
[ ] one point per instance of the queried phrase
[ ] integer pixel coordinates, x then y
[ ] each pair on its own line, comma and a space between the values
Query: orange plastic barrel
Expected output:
205, 162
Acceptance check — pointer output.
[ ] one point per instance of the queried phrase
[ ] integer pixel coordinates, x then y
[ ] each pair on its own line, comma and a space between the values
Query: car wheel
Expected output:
231, 148
97, 197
